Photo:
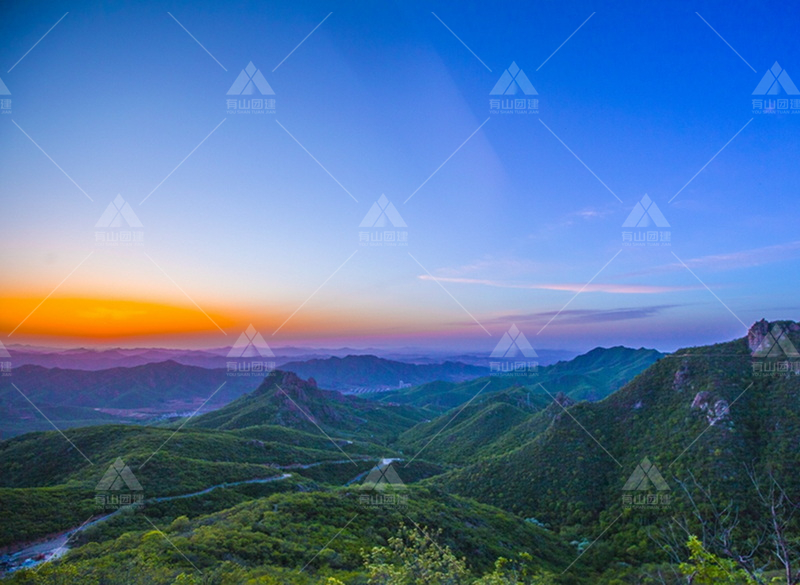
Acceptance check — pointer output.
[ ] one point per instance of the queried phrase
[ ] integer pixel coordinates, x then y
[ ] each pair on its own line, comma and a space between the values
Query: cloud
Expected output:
569, 287
592, 213
734, 260
582, 315
502, 265
569, 221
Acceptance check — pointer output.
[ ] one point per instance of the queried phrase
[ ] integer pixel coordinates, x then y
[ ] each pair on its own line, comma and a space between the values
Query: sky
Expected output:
507, 212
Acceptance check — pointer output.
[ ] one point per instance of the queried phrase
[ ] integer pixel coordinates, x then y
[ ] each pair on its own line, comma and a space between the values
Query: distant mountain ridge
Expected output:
591, 376
124, 387
90, 359
372, 372
72, 398
79, 397
102, 359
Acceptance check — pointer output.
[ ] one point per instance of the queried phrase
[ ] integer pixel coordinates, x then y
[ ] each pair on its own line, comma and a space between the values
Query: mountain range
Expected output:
102, 359
72, 398
590, 376
369, 372
159, 390
599, 469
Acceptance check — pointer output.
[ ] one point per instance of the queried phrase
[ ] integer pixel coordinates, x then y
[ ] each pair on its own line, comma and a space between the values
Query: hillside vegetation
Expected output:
685, 474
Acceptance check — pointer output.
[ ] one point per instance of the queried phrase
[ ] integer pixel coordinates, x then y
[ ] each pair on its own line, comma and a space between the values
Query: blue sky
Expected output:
512, 225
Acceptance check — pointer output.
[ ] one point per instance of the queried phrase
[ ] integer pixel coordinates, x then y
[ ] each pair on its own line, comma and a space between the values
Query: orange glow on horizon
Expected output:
70, 319
105, 318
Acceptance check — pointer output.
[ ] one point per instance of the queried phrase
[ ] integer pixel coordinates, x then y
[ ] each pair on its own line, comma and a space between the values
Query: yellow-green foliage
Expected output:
705, 568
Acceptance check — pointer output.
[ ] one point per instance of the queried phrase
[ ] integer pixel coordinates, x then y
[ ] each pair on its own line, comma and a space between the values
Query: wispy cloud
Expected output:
572, 220
568, 287
733, 260
496, 265
584, 315
592, 213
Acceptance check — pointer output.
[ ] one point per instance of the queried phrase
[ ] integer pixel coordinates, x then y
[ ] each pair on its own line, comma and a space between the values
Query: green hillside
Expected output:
591, 376
700, 416
286, 400
164, 464
704, 441
299, 538
471, 431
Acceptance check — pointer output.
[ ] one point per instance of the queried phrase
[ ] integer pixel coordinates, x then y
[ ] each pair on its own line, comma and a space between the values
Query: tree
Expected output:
705, 568
781, 511
516, 572
718, 527
413, 557
722, 535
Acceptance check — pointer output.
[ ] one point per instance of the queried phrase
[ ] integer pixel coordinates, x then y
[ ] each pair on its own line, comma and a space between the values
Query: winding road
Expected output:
56, 546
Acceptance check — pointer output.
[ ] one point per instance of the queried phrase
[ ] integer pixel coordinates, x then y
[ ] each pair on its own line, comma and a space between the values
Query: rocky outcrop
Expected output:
769, 331
564, 400
682, 378
757, 333
715, 409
